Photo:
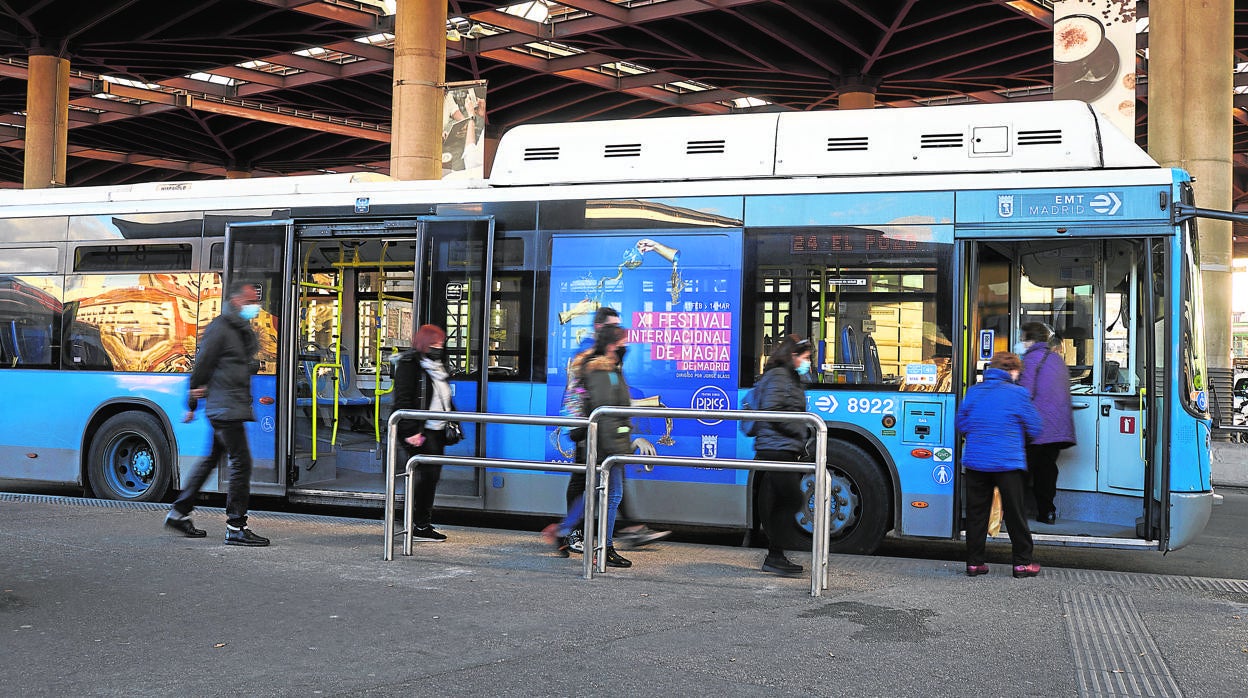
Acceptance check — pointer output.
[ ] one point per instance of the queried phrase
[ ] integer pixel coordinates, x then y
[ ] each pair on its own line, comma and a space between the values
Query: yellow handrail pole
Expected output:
377, 321
337, 339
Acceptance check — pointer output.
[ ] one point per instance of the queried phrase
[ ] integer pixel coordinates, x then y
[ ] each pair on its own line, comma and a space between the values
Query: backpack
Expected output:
575, 400
749, 427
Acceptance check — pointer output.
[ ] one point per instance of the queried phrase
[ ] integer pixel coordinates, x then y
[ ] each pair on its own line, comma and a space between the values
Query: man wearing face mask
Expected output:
224, 365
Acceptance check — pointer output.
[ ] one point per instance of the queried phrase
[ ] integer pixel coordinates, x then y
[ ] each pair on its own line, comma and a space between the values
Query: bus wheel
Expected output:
859, 505
130, 459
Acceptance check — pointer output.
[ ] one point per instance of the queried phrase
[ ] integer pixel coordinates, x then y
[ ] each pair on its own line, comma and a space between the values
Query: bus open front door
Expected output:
1094, 296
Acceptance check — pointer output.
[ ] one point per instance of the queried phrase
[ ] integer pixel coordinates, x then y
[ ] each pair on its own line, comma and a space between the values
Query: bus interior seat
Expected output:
849, 352
349, 394
870, 361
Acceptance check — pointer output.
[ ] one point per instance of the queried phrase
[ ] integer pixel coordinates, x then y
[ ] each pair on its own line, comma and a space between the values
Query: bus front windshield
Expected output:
1192, 325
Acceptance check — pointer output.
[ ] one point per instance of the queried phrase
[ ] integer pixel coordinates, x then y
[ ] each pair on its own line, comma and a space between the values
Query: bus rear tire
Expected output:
130, 459
860, 507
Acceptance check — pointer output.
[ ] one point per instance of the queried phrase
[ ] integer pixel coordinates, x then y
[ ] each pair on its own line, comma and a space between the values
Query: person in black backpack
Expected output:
605, 385
636, 534
779, 493
426, 359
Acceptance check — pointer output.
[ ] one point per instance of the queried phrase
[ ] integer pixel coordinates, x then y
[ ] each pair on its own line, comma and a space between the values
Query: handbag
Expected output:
453, 433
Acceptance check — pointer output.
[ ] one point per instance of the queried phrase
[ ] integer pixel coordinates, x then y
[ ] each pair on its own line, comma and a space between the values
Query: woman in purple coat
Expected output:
997, 418
1047, 379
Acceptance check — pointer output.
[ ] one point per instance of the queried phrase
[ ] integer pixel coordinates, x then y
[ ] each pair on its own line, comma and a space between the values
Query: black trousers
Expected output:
1042, 464
230, 439
979, 504
425, 480
779, 496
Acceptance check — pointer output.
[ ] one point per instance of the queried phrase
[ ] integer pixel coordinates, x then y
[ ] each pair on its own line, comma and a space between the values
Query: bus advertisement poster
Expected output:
677, 294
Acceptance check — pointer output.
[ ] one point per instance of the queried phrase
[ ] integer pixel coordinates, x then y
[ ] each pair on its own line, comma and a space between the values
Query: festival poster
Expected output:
677, 292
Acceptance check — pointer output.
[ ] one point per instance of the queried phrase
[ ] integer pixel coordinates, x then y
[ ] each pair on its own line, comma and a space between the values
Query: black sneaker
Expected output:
182, 524
614, 559
779, 564
428, 533
576, 541
244, 536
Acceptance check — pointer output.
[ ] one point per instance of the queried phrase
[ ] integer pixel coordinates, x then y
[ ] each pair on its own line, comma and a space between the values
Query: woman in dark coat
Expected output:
1047, 380
426, 359
780, 389
604, 383
997, 417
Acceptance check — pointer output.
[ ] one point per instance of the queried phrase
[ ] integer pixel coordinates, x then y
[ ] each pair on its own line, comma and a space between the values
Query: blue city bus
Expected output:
909, 244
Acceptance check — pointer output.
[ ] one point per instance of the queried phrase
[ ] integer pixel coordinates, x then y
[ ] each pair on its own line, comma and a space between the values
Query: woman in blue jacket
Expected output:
997, 418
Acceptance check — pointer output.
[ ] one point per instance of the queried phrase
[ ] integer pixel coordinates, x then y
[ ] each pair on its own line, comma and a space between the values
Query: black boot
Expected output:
777, 563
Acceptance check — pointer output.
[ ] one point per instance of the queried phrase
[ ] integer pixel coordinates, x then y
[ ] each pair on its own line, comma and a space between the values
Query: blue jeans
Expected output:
615, 493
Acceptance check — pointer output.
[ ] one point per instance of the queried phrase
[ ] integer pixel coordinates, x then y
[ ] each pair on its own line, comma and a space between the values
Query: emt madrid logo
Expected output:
1005, 205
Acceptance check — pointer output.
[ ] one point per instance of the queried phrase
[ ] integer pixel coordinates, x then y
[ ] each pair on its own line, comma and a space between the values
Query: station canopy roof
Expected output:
165, 90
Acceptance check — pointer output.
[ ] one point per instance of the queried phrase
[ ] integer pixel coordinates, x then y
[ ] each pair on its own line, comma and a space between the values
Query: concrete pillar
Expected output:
857, 92
419, 71
856, 100
1190, 86
491, 147
47, 121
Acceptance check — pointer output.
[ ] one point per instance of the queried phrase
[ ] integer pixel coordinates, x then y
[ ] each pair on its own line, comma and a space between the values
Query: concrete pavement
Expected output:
96, 599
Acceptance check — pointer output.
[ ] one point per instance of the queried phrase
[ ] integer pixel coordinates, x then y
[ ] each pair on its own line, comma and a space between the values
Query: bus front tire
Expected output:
860, 501
130, 459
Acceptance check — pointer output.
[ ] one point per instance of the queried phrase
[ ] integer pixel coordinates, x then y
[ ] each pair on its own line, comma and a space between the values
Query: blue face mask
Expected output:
249, 311
803, 368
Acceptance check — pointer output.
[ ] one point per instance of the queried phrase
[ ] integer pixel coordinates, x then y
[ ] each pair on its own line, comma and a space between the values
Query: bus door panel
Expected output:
260, 254
454, 290
1122, 435
1077, 465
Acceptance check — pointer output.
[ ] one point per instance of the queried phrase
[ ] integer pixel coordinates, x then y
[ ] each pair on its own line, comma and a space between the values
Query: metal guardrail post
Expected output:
821, 525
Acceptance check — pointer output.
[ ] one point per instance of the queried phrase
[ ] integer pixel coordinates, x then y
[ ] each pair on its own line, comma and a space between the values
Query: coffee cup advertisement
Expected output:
1094, 57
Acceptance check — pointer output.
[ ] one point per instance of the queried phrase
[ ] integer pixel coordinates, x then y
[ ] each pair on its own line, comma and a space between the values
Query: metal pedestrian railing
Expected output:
392, 448
597, 480
820, 531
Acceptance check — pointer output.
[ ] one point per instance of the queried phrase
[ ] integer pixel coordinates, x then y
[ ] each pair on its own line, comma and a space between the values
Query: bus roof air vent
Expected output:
844, 143
622, 150
1051, 136
940, 140
705, 147
541, 153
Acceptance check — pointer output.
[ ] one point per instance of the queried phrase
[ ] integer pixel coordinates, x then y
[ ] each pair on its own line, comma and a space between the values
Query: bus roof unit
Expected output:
1031, 136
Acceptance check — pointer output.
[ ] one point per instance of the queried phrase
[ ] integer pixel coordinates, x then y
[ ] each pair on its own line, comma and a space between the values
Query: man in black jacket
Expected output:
224, 365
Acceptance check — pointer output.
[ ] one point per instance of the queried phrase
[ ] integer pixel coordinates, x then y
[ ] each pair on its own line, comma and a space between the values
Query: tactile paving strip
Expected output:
1114, 653
157, 506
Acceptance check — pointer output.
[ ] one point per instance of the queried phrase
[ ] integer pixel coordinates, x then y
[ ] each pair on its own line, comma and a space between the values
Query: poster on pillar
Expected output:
463, 130
1094, 57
